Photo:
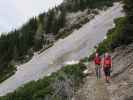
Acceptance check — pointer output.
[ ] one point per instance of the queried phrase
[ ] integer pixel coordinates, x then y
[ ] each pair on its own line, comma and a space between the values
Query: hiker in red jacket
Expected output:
97, 61
107, 65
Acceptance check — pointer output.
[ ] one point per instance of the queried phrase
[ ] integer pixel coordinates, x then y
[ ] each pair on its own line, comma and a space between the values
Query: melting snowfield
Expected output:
74, 47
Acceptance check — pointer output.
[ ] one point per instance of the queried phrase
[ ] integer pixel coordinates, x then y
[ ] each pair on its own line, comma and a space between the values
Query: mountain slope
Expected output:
119, 41
40, 32
74, 47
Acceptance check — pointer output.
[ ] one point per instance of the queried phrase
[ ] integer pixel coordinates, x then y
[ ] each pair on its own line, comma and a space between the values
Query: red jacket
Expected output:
107, 61
97, 60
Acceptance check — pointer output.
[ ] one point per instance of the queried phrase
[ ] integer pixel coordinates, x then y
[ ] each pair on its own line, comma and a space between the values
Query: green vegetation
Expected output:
75, 5
128, 31
7, 72
114, 37
59, 86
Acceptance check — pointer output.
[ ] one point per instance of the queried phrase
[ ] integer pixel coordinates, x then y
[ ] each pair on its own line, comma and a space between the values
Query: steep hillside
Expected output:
122, 34
53, 87
119, 43
40, 32
72, 48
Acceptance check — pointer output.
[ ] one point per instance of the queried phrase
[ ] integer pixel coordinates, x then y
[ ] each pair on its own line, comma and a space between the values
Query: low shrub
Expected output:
58, 86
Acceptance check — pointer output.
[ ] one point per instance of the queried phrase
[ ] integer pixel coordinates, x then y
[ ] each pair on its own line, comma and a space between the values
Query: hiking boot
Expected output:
107, 81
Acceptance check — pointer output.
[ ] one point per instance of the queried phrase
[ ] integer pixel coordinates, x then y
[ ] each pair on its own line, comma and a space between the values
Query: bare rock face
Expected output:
122, 75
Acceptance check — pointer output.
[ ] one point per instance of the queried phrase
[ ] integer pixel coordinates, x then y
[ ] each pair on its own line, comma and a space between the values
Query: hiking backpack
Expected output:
107, 61
97, 60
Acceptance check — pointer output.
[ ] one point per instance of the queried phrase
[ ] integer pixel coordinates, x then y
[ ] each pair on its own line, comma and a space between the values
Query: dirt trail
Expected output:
101, 91
93, 89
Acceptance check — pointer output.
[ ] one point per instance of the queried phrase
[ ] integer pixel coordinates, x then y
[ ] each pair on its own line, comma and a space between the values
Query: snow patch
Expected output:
71, 62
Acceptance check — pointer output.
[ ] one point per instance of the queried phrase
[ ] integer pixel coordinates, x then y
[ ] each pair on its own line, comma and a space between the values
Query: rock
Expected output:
88, 72
131, 71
